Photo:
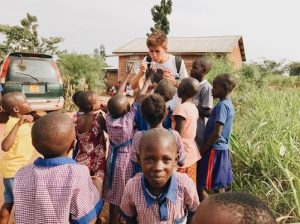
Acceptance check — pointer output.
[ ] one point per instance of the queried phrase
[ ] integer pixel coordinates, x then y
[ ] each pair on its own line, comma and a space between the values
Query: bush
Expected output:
81, 72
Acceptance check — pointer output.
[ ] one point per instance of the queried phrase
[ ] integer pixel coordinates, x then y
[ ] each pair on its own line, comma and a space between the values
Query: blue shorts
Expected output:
8, 190
214, 170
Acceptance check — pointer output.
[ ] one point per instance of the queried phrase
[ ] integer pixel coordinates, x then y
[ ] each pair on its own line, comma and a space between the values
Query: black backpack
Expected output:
178, 61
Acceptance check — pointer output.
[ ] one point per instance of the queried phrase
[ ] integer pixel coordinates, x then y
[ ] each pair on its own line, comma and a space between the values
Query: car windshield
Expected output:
32, 70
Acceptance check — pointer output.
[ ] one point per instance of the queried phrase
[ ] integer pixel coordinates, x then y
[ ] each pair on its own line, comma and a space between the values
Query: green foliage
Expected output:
159, 16
294, 68
81, 72
268, 67
26, 38
265, 144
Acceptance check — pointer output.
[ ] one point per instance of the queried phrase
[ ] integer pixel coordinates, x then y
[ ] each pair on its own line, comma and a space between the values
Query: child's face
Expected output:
198, 71
218, 91
157, 53
23, 106
158, 161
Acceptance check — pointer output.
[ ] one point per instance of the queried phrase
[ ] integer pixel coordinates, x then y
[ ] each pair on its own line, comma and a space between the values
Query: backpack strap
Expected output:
178, 61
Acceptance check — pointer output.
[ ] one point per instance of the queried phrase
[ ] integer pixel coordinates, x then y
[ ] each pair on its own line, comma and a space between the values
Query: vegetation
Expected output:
265, 145
159, 16
81, 72
26, 38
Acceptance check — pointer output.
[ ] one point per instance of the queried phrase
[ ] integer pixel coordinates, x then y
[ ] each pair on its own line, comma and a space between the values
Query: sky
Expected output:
268, 27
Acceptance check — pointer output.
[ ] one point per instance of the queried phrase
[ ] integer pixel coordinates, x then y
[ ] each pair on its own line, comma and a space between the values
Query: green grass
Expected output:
267, 121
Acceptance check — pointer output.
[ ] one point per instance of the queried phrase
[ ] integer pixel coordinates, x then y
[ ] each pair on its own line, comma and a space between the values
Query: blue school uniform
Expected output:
214, 170
142, 125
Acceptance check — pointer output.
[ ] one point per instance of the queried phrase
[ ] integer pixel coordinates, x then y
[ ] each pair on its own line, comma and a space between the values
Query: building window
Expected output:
135, 63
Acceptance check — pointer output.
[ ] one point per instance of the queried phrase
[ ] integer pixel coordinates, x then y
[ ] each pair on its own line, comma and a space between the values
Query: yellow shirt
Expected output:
21, 151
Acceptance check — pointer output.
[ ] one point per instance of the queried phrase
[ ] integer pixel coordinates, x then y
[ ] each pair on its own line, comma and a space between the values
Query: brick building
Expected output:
188, 48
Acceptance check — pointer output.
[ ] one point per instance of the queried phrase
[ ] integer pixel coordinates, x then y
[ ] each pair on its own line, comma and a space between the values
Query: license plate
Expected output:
34, 88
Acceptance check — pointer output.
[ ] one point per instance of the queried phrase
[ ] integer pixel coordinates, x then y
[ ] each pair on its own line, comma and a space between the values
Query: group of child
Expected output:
160, 148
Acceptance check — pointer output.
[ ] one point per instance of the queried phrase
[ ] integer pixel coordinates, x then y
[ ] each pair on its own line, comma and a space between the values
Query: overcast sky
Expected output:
269, 27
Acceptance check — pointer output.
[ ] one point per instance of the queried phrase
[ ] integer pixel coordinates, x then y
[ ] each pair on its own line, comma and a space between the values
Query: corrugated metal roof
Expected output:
220, 44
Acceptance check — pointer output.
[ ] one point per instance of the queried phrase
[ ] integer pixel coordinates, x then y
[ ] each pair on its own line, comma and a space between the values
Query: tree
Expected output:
294, 68
26, 38
100, 52
159, 16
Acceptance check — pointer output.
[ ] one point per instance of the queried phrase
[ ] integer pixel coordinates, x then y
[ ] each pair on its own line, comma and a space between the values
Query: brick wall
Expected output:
236, 57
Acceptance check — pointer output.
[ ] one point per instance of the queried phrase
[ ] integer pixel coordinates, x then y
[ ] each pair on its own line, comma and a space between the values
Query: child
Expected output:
215, 166
154, 111
184, 120
203, 100
233, 208
90, 137
16, 145
75, 117
158, 194
55, 189
120, 129
167, 91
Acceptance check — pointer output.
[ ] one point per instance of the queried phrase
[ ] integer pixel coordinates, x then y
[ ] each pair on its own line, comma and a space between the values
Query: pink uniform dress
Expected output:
119, 167
190, 113
91, 149
173, 206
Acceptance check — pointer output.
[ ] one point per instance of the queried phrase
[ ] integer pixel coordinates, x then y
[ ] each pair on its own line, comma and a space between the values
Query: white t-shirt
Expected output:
170, 65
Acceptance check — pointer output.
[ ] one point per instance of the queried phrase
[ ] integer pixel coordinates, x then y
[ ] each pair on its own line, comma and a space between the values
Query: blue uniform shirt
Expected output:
223, 113
141, 123
1, 89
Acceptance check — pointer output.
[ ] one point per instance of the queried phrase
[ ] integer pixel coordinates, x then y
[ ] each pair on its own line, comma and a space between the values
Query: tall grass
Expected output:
265, 143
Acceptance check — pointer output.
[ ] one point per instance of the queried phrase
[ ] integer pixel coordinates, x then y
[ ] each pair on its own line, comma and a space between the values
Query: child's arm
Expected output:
143, 91
204, 112
179, 123
122, 88
213, 137
8, 141
101, 121
136, 81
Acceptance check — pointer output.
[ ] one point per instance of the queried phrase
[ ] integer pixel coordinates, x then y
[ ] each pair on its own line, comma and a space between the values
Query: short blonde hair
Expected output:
157, 38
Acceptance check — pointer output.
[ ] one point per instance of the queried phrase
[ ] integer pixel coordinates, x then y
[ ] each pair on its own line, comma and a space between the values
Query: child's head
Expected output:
201, 66
155, 75
15, 104
223, 85
88, 101
158, 156
53, 135
166, 89
188, 88
157, 44
75, 97
118, 106
233, 208
154, 109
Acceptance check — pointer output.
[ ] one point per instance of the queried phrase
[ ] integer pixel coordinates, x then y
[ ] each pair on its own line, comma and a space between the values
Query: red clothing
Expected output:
91, 149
